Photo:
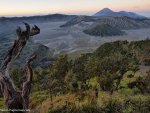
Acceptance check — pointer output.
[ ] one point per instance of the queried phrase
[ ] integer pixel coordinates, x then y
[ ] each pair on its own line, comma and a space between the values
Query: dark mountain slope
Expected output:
103, 30
45, 18
119, 22
79, 19
124, 22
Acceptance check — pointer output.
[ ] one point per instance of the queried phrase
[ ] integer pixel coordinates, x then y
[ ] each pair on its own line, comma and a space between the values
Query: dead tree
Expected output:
14, 98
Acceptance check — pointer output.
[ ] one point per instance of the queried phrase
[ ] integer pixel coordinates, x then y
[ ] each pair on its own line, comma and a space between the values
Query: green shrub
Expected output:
37, 98
112, 106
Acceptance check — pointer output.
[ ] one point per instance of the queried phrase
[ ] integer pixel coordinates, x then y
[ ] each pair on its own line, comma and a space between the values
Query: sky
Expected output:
79, 7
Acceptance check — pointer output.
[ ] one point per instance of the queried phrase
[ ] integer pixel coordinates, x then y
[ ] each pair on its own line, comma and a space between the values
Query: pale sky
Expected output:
80, 7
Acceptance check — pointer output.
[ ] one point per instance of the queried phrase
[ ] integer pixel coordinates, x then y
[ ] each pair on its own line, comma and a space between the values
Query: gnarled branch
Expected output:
13, 98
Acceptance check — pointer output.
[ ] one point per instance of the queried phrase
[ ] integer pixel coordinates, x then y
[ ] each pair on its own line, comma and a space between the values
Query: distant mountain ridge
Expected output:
121, 22
50, 17
109, 12
12, 21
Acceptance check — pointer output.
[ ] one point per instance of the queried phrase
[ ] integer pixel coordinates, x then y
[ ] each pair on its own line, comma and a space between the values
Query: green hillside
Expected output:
113, 79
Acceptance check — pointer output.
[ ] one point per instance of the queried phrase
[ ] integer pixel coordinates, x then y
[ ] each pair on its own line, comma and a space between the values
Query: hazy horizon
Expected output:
11, 8
145, 13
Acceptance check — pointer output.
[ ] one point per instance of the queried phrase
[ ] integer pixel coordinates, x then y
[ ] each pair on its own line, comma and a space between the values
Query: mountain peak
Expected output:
106, 10
109, 12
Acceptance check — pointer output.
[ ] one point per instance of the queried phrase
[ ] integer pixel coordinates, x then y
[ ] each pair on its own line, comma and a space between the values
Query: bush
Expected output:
112, 106
37, 98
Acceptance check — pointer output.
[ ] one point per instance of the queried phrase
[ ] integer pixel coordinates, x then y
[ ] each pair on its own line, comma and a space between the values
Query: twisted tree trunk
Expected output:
14, 98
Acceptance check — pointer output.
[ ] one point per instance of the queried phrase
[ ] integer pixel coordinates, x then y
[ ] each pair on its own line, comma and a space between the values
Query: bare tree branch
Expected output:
13, 98
27, 84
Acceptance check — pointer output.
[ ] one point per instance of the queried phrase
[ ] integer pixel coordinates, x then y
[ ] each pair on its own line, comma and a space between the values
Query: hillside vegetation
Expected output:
113, 79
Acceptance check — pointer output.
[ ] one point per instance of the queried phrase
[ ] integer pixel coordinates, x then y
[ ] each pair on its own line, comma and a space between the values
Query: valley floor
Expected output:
72, 39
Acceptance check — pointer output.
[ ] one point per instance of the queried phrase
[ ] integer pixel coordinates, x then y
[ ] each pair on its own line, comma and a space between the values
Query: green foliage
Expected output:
79, 67
37, 98
107, 82
108, 64
1, 103
93, 82
137, 104
68, 86
112, 106
39, 79
111, 48
18, 76
71, 81
73, 109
